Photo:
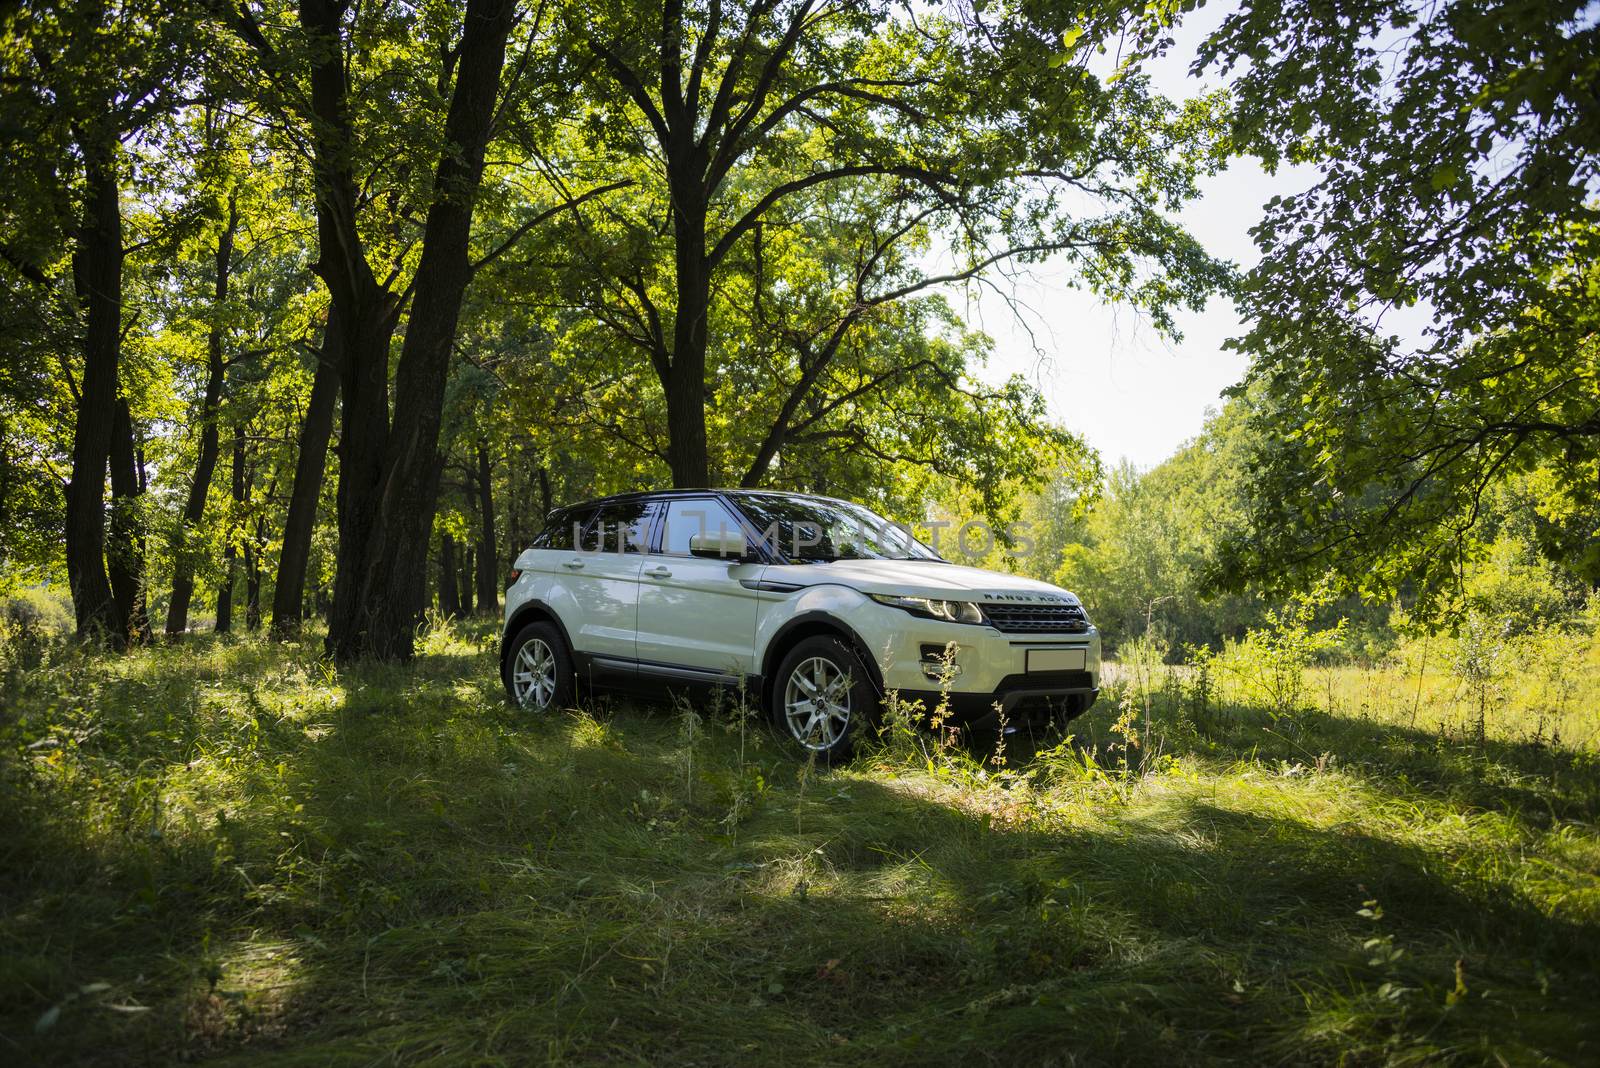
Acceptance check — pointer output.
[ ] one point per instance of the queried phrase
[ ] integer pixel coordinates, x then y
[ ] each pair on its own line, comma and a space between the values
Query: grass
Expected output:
228, 852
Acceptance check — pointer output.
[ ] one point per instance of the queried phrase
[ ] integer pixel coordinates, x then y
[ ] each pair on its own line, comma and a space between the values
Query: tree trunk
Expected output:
125, 546
488, 558
252, 574
230, 551
391, 508
361, 317
515, 505
288, 596
684, 381
364, 429
449, 595
6, 478
206, 458
464, 578
97, 274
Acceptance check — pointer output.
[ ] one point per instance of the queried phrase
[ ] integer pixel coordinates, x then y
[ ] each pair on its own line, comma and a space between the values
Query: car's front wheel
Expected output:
539, 671
823, 699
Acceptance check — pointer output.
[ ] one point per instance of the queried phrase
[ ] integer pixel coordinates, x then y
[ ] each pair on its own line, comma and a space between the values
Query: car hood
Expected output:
922, 578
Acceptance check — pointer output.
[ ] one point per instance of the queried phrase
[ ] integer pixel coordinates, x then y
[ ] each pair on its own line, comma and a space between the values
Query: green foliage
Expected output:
1148, 551
35, 624
1480, 663
1271, 661
1137, 547
1510, 581
1457, 162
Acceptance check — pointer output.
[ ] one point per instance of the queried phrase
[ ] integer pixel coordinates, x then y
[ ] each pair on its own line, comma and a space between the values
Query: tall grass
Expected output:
230, 851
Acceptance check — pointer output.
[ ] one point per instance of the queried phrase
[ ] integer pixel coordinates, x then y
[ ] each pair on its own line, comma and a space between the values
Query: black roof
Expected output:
669, 494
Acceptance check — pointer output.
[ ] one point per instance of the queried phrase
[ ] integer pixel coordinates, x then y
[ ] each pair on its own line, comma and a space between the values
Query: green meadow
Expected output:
229, 851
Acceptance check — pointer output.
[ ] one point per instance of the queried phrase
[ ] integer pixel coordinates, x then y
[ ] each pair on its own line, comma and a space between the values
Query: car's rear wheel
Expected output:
822, 699
539, 669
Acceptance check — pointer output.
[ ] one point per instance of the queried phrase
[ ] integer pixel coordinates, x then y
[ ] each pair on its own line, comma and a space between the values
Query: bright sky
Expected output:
1106, 374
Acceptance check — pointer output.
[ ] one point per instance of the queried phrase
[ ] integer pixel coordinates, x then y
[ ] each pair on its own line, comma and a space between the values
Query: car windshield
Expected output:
811, 529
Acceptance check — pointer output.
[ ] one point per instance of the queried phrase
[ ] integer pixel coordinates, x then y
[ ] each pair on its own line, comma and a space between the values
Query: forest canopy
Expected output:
321, 306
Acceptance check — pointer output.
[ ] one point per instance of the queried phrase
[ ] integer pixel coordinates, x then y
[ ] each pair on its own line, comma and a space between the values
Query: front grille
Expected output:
1037, 618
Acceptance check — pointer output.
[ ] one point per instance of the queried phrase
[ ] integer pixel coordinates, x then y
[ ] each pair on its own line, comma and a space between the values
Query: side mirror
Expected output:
721, 544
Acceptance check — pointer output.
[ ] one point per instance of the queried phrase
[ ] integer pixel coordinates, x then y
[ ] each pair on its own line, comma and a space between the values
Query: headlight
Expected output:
948, 611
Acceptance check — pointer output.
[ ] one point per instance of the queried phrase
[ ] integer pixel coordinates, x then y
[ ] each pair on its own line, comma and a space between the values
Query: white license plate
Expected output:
1057, 660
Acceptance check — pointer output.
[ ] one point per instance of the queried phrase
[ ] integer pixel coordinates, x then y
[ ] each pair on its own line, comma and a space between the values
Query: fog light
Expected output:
938, 661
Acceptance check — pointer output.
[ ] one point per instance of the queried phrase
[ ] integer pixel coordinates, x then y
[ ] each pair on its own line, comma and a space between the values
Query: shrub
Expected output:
1270, 664
1478, 662
32, 622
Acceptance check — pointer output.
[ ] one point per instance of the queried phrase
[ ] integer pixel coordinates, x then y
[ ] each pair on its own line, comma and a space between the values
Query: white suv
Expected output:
818, 607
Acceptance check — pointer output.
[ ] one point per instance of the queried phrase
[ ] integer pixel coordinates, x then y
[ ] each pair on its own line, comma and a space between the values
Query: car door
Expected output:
696, 615
602, 577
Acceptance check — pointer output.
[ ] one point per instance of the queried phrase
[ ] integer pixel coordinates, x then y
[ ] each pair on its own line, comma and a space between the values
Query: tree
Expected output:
81, 79
1459, 159
211, 403
488, 576
972, 125
388, 466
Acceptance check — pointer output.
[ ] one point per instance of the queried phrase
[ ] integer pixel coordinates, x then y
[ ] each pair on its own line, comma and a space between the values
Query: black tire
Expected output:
519, 667
829, 738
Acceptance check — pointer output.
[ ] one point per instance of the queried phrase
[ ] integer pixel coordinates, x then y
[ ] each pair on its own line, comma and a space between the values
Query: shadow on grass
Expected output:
411, 871
1537, 782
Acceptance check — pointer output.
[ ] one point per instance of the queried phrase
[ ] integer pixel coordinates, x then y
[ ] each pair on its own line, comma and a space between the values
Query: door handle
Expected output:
658, 572
572, 565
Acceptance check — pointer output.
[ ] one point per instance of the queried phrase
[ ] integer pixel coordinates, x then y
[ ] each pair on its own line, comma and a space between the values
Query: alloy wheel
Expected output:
816, 703
533, 675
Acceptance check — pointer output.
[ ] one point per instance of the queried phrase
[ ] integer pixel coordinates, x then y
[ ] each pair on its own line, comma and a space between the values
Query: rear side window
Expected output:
562, 530
621, 526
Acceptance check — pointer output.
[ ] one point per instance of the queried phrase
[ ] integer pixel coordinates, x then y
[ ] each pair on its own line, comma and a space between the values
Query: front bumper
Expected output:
993, 669
1019, 699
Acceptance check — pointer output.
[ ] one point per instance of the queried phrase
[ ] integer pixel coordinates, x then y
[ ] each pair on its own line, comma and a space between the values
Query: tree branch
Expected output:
763, 87
630, 82
722, 103
932, 179
543, 216
729, 151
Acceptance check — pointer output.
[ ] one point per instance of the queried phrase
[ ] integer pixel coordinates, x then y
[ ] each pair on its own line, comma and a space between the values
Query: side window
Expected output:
686, 518
622, 526
562, 531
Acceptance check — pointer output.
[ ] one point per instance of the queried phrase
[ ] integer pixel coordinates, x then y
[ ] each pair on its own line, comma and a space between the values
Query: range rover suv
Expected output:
818, 607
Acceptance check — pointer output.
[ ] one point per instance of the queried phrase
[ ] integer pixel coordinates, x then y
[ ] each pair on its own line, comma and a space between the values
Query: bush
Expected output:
1515, 585
32, 621
1270, 664
39, 608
